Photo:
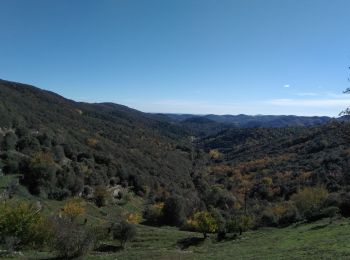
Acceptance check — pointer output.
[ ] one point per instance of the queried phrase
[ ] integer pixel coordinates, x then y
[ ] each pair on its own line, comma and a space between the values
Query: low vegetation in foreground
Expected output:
323, 239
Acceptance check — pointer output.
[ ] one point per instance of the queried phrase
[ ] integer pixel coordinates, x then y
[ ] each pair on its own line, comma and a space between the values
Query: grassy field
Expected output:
319, 240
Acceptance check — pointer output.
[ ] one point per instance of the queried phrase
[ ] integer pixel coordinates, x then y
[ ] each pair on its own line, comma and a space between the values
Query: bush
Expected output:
134, 218
205, 223
240, 224
9, 142
124, 232
173, 212
280, 214
153, 214
11, 163
101, 196
330, 212
24, 223
71, 239
41, 175
310, 199
73, 209
344, 205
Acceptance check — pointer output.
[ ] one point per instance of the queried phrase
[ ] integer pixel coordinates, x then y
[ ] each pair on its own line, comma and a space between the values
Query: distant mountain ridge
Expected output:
204, 125
247, 121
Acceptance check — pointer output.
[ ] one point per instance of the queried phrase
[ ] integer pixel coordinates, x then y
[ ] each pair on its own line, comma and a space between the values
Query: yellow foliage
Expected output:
134, 218
73, 209
204, 222
267, 181
159, 206
24, 221
310, 198
42, 157
214, 154
282, 208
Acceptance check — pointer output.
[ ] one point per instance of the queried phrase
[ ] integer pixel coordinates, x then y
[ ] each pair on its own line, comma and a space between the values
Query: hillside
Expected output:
159, 170
204, 125
93, 144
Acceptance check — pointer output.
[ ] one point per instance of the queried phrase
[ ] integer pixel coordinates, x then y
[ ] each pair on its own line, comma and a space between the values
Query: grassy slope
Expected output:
311, 241
319, 240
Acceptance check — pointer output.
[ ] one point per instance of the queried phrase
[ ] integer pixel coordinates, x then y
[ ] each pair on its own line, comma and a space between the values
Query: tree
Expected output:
41, 175
124, 232
153, 214
101, 195
205, 223
22, 222
10, 141
70, 239
346, 112
310, 199
173, 212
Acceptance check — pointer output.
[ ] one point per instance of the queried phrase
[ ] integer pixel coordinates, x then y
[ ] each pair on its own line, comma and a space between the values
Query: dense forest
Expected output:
232, 173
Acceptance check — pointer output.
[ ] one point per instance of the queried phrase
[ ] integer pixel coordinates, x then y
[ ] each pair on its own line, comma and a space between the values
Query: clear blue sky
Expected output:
184, 56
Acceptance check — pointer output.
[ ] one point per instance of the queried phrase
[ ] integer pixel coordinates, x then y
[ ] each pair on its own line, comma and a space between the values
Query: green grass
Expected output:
319, 240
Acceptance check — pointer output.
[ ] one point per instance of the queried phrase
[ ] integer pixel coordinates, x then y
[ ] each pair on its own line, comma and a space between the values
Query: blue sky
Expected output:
183, 56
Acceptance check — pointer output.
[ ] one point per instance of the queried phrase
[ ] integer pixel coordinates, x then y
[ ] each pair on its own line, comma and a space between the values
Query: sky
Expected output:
183, 56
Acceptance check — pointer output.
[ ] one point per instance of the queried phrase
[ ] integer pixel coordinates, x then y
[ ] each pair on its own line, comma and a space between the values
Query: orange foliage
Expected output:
92, 142
73, 209
42, 157
134, 218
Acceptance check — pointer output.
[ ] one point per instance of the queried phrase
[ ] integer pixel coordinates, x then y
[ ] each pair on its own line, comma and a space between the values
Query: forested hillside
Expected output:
62, 147
195, 173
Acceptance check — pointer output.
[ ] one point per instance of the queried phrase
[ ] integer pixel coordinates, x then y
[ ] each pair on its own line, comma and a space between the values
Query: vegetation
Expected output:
124, 232
96, 160
205, 223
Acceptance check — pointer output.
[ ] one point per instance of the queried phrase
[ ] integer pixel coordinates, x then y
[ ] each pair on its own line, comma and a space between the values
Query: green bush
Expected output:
24, 223
310, 200
124, 232
173, 212
101, 196
9, 142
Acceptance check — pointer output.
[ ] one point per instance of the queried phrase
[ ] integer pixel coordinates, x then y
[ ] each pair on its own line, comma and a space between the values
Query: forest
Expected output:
218, 176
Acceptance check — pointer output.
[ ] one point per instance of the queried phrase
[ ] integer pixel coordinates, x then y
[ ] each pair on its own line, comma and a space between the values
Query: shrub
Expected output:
134, 218
71, 239
344, 205
124, 232
9, 142
205, 223
214, 154
280, 214
310, 199
24, 223
73, 209
240, 224
41, 175
153, 214
11, 163
330, 212
101, 196
173, 212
